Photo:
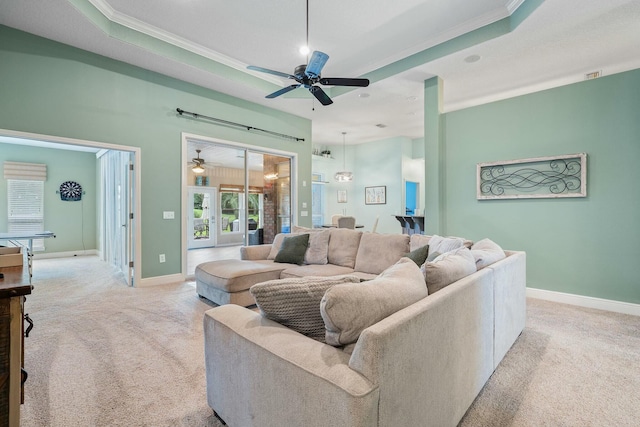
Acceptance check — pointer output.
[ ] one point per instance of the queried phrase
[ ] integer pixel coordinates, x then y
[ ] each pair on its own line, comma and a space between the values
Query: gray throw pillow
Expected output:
350, 308
445, 244
295, 302
486, 252
293, 249
448, 268
419, 256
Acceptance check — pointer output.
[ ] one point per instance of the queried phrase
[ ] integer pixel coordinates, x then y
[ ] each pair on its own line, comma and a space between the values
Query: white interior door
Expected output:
117, 187
201, 217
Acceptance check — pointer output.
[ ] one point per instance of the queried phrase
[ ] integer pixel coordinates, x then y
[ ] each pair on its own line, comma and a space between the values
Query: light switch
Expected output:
168, 215
304, 213
304, 204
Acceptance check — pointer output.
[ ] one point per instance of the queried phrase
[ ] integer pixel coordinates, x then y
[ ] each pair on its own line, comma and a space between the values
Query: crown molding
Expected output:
142, 27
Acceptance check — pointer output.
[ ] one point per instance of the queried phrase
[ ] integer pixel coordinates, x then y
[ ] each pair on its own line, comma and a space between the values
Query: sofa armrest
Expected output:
255, 252
256, 367
432, 358
510, 300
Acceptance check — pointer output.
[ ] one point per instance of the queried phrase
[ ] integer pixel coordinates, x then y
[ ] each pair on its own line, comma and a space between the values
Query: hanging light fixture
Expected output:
343, 176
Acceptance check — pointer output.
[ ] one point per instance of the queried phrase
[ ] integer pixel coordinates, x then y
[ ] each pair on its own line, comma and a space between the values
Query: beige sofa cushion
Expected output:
445, 244
379, 251
277, 243
318, 246
343, 247
295, 302
448, 268
315, 270
486, 252
418, 240
348, 309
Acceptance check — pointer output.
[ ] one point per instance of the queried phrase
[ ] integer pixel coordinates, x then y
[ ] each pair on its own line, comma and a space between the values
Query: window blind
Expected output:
25, 171
25, 202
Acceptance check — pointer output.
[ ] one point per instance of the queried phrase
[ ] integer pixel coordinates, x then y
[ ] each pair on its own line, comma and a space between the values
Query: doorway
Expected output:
124, 255
233, 195
411, 197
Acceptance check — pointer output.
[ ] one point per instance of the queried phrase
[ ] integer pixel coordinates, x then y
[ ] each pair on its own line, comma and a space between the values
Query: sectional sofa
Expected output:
422, 363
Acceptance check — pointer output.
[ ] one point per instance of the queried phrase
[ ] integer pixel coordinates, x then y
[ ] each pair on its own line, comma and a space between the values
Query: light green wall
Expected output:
53, 89
585, 246
73, 222
373, 164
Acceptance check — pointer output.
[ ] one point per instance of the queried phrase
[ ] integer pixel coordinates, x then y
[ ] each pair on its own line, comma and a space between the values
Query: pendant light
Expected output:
343, 176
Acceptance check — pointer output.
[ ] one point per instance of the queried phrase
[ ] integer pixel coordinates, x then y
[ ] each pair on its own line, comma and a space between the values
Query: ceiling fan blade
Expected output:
282, 91
316, 63
275, 73
320, 95
336, 81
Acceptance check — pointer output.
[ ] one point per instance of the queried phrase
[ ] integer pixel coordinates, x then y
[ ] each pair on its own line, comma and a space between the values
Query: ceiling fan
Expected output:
198, 163
308, 75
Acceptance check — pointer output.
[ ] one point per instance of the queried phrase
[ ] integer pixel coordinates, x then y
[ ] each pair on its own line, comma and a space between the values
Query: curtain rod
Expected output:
239, 125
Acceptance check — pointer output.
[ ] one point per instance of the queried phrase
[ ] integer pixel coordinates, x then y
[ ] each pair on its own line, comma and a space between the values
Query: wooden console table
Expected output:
15, 284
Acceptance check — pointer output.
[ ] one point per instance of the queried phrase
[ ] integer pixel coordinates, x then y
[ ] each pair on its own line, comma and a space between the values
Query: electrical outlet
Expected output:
162, 258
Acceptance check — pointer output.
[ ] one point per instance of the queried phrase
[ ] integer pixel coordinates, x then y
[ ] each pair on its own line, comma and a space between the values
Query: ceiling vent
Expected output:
593, 75
381, 125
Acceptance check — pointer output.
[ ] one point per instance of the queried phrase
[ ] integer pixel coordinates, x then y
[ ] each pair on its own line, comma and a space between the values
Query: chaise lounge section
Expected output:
331, 252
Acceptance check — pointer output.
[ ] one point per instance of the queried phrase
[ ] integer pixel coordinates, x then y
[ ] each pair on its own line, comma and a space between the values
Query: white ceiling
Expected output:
558, 43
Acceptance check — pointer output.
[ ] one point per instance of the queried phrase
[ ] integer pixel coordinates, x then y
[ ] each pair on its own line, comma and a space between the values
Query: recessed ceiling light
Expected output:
412, 98
472, 58
304, 50
364, 95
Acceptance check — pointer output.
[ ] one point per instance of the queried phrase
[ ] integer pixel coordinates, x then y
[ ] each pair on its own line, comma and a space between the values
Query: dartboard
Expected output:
70, 191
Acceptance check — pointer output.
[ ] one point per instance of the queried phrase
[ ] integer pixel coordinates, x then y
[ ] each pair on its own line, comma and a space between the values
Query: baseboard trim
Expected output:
160, 280
68, 254
585, 301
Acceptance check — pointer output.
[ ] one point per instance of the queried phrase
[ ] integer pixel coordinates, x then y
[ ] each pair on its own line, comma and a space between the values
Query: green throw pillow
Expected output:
293, 249
419, 255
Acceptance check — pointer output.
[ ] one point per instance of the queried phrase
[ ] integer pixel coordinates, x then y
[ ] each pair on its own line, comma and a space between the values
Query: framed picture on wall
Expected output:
342, 196
375, 195
540, 177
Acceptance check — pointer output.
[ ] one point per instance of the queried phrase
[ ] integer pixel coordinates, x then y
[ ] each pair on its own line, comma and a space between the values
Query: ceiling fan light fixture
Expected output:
304, 50
198, 168
343, 176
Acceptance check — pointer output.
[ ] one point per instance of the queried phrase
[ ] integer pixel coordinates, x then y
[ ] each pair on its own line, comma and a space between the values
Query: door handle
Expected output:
30, 327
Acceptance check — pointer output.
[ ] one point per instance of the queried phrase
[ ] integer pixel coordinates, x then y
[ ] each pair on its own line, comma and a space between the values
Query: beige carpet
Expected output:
103, 354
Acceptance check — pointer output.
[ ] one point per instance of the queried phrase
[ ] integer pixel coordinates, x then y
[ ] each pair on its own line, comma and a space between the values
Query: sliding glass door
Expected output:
250, 194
